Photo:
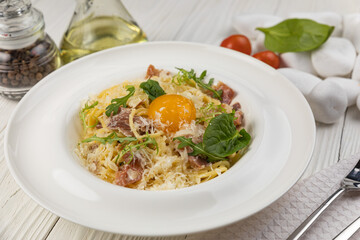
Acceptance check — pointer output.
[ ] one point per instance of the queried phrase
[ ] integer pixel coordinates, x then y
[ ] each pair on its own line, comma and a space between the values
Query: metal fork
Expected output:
350, 182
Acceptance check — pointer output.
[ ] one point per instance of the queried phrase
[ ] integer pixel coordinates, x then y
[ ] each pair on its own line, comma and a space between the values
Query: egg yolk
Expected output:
172, 110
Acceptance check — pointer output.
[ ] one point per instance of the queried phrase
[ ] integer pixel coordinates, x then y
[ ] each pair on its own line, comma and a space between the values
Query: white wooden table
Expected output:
206, 21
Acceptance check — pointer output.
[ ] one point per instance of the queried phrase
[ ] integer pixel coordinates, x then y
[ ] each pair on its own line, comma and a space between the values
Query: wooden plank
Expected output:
350, 144
68, 230
161, 20
6, 108
327, 146
342, 7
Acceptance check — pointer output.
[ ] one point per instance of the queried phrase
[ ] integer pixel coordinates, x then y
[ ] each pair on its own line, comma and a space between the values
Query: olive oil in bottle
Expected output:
91, 31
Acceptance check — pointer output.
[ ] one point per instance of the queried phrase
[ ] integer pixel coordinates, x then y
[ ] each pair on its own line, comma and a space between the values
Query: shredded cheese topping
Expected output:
169, 168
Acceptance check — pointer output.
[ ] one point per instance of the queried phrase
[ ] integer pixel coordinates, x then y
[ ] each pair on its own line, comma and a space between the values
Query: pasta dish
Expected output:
165, 131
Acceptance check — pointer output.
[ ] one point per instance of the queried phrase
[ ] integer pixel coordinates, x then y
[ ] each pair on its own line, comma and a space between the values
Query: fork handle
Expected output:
349, 230
311, 219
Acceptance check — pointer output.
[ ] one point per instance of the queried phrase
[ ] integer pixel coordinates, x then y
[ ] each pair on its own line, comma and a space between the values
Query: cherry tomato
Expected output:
269, 58
237, 42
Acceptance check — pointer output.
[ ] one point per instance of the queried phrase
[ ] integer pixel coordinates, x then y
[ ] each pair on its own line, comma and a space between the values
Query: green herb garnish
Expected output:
209, 111
117, 102
143, 142
198, 149
109, 139
152, 89
296, 35
221, 139
137, 143
84, 112
187, 76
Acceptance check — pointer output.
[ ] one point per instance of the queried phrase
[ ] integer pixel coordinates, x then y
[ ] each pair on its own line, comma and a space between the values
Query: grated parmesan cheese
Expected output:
168, 168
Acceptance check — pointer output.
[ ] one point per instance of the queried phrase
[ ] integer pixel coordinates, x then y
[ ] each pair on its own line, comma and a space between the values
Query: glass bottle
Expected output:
97, 25
27, 53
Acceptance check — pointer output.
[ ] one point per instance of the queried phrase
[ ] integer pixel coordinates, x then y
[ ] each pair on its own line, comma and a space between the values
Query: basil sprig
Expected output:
221, 139
152, 89
296, 35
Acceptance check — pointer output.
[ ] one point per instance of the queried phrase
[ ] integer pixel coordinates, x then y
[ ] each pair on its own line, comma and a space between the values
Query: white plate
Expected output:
44, 130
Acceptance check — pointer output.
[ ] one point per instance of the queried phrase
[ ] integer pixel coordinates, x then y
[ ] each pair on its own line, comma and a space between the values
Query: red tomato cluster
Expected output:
242, 44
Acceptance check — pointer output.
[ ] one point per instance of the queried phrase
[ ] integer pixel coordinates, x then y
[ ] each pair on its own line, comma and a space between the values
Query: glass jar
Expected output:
27, 53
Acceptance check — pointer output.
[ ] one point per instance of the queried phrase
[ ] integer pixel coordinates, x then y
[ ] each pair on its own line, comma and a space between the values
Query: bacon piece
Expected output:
98, 125
120, 122
152, 71
236, 106
129, 173
197, 162
239, 115
227, 93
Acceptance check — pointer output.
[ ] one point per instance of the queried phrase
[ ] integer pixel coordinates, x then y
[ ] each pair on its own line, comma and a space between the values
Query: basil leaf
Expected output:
152, 89
222, 138
296, 35
117, 102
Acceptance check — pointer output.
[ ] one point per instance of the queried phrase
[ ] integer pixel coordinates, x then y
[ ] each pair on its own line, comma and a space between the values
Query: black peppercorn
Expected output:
11, 75
39, 76
26, 66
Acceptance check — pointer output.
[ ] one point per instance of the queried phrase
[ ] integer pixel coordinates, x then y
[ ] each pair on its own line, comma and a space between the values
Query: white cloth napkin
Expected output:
281, 218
